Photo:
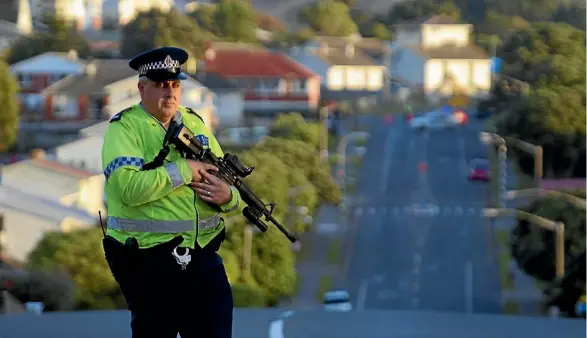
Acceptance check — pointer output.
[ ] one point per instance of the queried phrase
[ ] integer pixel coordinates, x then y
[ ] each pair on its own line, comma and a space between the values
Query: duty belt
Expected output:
149, 225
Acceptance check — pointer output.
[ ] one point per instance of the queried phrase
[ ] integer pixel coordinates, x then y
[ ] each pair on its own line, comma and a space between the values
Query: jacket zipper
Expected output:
195, 195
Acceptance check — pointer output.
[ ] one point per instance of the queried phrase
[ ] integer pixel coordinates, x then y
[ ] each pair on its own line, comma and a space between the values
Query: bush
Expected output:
248, 296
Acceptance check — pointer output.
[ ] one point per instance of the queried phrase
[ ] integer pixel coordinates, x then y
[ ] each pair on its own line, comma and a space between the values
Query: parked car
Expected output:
337, 300
479, 170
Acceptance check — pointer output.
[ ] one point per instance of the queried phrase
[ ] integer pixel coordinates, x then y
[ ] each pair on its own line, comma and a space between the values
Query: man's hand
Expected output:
196, 167
212, 189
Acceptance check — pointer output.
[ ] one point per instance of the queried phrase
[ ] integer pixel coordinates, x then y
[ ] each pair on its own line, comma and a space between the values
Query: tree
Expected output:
236, 21
329, 17
533, 247
410, 10
58, 37
81, 256
553, 114
300, 156
9, 115
293, 126
154, 29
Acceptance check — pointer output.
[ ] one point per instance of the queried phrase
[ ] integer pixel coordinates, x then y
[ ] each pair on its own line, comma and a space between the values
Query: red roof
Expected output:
255, 63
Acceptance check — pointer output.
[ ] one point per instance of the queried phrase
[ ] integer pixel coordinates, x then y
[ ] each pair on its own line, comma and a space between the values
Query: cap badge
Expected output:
168, 62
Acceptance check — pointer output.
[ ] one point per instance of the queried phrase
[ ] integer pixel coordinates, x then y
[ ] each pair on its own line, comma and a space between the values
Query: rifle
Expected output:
231, 170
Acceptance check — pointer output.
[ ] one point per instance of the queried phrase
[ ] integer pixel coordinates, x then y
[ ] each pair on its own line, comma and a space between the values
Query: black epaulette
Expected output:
118, 115
191, 111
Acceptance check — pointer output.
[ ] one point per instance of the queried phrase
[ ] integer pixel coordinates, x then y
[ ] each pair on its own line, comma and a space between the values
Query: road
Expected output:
419, 240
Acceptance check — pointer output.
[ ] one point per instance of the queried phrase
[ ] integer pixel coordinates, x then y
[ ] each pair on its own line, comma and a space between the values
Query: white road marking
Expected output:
472, 211
371, 211
276, 326
469, 286
362, 294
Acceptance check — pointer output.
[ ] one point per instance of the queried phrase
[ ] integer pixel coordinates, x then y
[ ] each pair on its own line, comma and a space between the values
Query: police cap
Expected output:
161, 64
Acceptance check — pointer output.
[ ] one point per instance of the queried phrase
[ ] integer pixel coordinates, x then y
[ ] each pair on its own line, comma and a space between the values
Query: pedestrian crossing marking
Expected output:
413, 211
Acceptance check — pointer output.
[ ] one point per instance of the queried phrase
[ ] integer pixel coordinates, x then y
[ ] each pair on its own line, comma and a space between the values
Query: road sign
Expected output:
458, 101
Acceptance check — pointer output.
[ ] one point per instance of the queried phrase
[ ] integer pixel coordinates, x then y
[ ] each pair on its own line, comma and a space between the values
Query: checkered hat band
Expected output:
158, 65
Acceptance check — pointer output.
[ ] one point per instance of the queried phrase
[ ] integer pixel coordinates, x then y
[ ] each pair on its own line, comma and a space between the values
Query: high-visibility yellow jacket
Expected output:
156, 205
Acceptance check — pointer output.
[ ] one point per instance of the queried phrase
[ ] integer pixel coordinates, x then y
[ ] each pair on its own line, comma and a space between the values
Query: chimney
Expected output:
349, 50
37, 154
90, 69
72, 54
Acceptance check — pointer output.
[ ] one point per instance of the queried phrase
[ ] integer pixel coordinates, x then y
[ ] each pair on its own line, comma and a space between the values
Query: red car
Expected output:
479, 170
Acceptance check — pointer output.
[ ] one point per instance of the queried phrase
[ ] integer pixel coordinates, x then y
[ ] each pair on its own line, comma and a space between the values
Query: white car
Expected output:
337, 300
433, 120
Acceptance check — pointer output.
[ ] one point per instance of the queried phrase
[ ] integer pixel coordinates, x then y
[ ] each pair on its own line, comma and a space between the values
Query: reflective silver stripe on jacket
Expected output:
146, 225
174, 174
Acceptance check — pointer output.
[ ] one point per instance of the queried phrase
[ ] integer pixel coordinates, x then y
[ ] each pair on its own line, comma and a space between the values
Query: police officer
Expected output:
164, 224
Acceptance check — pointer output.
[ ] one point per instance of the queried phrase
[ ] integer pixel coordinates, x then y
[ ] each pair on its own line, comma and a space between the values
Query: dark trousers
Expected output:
165, 300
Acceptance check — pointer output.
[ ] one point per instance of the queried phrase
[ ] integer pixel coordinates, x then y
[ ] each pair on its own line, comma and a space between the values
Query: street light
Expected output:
341, 152
557, 227
537, 192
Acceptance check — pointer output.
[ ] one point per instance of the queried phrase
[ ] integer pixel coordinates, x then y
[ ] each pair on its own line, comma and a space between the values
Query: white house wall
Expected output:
86, 151
229, 109
434, 73
460, 70
482, 74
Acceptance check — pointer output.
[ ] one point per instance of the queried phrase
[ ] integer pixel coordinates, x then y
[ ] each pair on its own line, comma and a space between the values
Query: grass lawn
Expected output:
325, 285
334, 251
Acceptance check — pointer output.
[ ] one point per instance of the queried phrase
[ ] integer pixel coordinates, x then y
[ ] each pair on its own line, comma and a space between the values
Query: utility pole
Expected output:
324, 139
247, 252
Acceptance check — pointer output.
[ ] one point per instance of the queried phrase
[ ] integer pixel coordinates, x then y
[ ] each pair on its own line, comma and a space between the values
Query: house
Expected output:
84, 95
15, 21
441, 59
49, 179
228, 101
271, 81
84, 152
36, 74
27, 217
40, 195
346, 71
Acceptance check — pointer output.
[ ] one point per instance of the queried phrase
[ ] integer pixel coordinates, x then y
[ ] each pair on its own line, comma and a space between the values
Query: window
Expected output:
25, 80
63, 106
298, 86
268, 85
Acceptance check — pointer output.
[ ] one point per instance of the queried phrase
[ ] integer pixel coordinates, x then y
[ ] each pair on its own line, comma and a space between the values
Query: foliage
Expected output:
155, 28
292, 126
533, 247
369, 26
553, 114
236, 21
58, 37
329, 17
9, 115
245, 295
54, 289
414, 9
81, 256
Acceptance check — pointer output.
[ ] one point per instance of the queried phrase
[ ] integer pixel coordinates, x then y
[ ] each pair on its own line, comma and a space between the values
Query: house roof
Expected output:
367, 45
451, 52
104, 72
69, 56
245, 62
338, 57
49, 165
440, 19
214, 81
43, 207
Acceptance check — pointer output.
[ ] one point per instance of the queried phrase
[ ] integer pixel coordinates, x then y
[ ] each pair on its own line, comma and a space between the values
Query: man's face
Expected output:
160, 98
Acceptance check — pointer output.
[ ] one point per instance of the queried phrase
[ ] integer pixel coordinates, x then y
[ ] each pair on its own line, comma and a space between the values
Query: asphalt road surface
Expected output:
419, 240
